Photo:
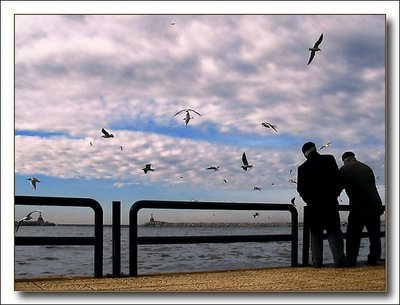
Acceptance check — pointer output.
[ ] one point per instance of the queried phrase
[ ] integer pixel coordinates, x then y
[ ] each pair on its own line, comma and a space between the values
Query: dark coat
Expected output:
319, 185
359, 184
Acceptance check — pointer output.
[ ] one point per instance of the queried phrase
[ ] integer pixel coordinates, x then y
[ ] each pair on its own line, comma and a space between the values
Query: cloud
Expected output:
131, 73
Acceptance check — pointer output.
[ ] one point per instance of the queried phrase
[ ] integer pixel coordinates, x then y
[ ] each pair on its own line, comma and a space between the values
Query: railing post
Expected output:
98, 247
306, 237
133, 244
295, 239
116, 238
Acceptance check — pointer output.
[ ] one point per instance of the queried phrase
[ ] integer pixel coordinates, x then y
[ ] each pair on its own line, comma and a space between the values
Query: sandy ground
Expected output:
300, 279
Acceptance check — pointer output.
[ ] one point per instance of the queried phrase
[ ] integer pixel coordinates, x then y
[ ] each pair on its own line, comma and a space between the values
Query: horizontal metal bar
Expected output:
40, 241
211, 239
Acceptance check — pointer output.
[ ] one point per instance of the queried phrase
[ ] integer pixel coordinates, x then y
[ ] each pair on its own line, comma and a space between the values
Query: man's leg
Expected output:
373, 227
316, 249
353, 239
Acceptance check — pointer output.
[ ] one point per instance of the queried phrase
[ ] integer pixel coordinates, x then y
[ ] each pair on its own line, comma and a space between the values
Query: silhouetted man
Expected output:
318, 183
365, 208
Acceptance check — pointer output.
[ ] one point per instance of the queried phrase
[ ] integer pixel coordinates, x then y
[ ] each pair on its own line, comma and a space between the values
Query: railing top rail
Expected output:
208, 205
58, 201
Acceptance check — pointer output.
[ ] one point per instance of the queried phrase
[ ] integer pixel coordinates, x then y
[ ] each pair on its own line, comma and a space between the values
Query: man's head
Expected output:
347, 156
307, 148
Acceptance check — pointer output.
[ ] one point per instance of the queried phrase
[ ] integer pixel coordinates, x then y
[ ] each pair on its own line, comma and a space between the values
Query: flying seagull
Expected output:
33, 181
226, 181
315, 48
27, 217
106, 134
246, 164
326, 145
187, 117
257, 188
292, 181
215, 168
269, 125
147, 168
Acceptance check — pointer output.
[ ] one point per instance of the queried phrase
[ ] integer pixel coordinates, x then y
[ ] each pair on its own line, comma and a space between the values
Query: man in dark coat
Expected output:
318, 183
365, 208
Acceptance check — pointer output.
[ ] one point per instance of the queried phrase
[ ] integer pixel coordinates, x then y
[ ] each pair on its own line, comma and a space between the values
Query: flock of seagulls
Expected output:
245, 166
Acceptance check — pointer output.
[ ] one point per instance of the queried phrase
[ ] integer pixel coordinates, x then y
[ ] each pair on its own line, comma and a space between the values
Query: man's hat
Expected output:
347, 154
307, 146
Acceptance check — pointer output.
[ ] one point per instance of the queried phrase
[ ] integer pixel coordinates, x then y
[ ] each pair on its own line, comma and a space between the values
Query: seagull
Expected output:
315, 48
187, 117
27, 217
226, 181
256, 214
269, 125
256, 188
326, 145
106, 134
147, 168
215, 168
91, 144
292, 181
33, 181
172, 23
246, 164
120, 147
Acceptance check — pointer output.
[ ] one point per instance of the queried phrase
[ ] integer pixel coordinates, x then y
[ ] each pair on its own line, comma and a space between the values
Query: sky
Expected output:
76, 74
130, 74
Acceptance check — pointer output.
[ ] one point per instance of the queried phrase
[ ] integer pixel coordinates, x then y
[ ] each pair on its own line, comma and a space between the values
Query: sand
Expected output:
281, 279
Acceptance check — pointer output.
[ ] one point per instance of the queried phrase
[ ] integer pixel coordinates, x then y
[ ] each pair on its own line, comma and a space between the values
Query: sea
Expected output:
75, 261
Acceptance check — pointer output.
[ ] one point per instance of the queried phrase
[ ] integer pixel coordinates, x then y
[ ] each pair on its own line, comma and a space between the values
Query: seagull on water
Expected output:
246, 164
27, 217
106, 134
147, 168
269, 125
326, 145
187, 117
215, 168
33, 181
256, 214
315, 48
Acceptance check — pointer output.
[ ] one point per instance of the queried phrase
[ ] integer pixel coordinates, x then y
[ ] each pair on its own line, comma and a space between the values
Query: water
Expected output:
47, 261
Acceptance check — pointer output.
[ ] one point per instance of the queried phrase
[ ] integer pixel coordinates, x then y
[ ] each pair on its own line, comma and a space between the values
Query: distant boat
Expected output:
39, 222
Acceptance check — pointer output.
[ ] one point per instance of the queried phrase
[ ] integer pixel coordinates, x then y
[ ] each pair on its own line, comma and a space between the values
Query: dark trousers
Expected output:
355, 226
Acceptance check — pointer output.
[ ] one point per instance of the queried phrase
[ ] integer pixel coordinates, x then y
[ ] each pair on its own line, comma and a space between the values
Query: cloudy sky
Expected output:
129, 74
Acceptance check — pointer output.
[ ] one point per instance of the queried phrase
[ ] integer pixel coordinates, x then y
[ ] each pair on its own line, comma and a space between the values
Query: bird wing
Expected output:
274, 127
19, 224
311, 57
179, 112
105, 132
318, 41
194, 111
39, 211
244, 159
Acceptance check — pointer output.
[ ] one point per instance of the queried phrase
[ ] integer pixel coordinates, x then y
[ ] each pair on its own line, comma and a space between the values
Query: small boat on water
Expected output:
39, 222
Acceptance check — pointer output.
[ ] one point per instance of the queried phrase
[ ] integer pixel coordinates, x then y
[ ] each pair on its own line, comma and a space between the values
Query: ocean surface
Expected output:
49, 261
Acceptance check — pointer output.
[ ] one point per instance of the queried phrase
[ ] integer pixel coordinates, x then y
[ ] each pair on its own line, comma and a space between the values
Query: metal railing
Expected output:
135, 240
96, 240
306, 233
